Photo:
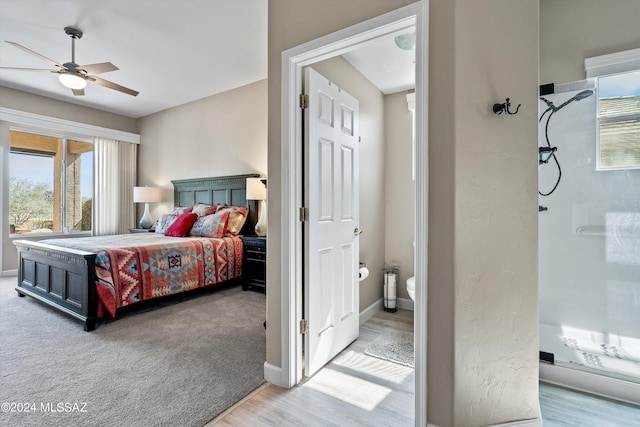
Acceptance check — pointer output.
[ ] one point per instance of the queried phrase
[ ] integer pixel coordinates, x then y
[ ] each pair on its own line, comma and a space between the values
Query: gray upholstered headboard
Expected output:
227, 190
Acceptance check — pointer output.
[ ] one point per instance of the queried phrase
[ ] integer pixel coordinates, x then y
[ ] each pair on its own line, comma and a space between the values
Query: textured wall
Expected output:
496, 215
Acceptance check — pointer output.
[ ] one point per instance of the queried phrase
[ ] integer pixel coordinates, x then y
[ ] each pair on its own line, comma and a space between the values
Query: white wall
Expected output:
224, 134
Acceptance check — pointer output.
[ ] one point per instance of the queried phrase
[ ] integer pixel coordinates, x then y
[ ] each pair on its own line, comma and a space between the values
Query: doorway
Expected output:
294, 60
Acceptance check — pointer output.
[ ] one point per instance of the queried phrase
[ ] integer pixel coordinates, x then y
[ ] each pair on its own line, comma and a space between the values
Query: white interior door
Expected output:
331, 231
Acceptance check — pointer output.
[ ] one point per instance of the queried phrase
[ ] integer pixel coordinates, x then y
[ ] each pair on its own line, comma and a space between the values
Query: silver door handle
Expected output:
357, 231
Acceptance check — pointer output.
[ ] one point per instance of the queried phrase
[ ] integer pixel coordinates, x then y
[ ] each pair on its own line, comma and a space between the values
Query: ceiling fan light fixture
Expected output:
72, 81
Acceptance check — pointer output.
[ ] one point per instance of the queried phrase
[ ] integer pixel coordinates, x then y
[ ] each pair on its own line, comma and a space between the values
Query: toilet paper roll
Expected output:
363, 273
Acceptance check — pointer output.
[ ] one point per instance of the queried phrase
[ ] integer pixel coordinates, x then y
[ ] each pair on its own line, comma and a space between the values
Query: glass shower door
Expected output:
589, 243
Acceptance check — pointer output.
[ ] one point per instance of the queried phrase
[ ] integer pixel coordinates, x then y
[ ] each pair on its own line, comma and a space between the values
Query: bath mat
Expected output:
393, 346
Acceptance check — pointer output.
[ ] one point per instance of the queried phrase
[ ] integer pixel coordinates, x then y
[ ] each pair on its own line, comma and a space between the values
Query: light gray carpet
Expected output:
180, 364
394, 346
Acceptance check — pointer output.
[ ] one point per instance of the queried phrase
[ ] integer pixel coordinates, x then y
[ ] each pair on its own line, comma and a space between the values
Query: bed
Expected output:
75, 275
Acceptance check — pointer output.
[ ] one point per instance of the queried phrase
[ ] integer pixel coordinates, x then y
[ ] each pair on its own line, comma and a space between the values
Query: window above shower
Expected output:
617, 79
619, 121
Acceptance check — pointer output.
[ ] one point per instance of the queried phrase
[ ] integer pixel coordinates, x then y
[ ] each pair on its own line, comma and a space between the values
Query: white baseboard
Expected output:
10, 273
273, 374
601, 385
536, 422
370, 311
405, 304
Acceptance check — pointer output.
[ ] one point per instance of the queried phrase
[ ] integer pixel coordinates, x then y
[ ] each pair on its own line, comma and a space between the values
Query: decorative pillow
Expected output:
179, 210
204, 210
210, 225
165, 222
237, 217
181, 225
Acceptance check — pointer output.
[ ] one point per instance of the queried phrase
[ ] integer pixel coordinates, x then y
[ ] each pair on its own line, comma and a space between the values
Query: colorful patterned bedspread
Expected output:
137, 267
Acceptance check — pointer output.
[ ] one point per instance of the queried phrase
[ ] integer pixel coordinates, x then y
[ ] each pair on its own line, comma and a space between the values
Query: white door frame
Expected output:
293, 61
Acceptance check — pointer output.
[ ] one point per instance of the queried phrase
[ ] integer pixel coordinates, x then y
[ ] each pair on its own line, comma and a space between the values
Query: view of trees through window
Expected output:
51, 184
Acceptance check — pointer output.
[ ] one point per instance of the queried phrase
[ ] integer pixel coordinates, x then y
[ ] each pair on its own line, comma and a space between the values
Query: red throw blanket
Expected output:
125, 276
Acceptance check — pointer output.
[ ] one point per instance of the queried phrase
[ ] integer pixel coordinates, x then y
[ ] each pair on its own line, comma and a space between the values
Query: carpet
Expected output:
178, 363
394, 346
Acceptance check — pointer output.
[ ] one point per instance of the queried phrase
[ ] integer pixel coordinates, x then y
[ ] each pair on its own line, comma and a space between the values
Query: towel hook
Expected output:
504, 108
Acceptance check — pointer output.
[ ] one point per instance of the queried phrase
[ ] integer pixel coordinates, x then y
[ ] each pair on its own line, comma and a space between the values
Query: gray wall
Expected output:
224, 134
572, 30
399, 203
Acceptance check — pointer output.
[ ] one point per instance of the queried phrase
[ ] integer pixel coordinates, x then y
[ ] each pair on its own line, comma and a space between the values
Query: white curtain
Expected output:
115, 176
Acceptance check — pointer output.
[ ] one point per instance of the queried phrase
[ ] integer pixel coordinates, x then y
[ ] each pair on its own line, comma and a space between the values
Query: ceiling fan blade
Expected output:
102, 67
36, 54
114, 86
78, 92
29, 69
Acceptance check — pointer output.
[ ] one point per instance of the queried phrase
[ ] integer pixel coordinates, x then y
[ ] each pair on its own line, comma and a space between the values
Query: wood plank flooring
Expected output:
562, 407
359, 390
354, 389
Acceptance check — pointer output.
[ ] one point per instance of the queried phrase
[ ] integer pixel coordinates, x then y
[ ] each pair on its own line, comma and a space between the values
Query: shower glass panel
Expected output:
589, 243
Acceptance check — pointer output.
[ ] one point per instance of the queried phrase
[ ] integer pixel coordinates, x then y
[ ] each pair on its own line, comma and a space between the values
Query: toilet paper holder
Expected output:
363, 272
390, 276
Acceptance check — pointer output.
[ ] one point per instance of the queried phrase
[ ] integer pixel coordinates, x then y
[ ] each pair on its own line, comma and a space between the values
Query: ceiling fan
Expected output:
72, 75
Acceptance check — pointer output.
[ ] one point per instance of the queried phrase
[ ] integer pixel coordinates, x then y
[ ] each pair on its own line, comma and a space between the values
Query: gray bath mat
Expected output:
393, 346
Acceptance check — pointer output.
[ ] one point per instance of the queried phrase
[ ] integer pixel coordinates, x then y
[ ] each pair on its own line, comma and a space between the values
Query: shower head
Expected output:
577, 97
584, 94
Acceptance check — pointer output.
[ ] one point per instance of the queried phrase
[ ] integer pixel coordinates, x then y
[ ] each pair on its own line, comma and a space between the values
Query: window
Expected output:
51, 183
619, 121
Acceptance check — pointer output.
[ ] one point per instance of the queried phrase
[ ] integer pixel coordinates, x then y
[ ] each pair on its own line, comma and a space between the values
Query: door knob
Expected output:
357, 231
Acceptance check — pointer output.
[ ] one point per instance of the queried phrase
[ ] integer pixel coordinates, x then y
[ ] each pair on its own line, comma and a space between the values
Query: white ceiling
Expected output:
383, 63
171, 51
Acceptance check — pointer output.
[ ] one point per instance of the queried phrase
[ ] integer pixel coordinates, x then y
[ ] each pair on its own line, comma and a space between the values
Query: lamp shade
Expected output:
146, 195
256, 190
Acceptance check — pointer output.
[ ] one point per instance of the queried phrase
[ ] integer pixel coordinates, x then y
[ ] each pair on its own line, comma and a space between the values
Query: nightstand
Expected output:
254, 262
142, 230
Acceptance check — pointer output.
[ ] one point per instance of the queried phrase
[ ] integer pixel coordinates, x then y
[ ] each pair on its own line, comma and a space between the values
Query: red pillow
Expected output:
182, 225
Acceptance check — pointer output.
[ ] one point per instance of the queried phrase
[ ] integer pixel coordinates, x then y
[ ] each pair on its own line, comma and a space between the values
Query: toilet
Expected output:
411, 287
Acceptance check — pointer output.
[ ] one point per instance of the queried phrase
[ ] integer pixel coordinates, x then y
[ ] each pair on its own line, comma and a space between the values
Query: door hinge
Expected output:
304, 101
304, 214
304, 326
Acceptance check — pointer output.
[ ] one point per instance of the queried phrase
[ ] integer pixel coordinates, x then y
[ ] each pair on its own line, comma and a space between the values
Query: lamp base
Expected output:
261, 225
146, 221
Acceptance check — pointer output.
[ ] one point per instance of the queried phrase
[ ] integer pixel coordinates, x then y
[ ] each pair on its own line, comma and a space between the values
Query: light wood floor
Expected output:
354, 389
359, 390
567, 408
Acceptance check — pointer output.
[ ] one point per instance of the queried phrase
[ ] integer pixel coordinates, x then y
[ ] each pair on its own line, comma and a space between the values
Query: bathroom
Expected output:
387, 192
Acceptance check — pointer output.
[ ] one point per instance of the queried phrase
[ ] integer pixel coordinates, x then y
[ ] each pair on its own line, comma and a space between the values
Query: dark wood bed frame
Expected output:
65, 278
